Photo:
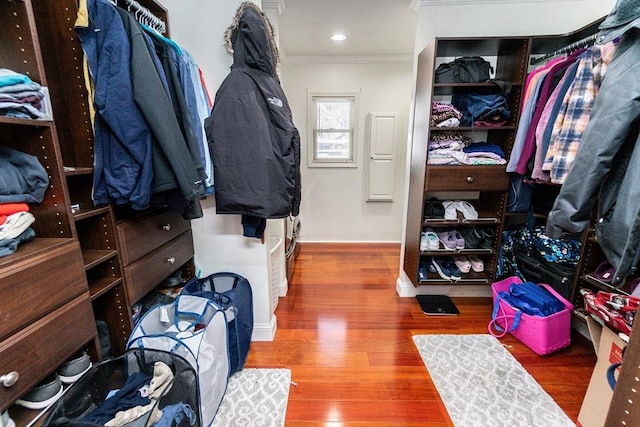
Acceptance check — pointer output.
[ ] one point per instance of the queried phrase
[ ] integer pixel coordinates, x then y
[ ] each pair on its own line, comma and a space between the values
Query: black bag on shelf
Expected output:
466, 69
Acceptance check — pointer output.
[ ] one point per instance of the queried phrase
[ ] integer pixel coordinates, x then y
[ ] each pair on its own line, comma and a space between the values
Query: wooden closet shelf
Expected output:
26, 122
89, 213
92, 258
100, 287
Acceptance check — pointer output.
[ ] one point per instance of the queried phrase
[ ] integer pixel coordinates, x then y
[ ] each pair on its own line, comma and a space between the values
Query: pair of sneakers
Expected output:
478, 237
429, 240
445, 267
50, 389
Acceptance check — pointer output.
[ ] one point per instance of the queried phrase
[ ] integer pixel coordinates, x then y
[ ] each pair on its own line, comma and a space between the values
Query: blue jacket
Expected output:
123, 171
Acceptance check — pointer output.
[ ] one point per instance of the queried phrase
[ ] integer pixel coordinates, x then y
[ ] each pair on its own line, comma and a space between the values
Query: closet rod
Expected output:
147, 16
585, 42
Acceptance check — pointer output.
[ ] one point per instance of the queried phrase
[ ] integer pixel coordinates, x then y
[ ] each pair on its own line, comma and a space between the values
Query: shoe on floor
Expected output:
72, 369
6, 420
43, 394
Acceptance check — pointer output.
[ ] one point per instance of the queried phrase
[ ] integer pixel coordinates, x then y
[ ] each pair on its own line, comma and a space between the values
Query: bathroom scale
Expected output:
437, 305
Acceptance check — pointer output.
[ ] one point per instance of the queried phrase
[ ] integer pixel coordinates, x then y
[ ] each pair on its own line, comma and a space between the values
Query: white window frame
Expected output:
312, 160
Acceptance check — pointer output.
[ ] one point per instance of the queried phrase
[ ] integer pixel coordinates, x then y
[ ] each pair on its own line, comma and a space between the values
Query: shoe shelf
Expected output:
470, 128
439, 222
450, 252
601, 285
470, 278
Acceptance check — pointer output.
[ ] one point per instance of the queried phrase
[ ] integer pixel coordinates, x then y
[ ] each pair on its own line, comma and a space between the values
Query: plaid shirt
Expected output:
573, 115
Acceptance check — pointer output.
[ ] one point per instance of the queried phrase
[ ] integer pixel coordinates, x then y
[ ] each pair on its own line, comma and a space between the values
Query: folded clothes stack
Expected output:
20, 96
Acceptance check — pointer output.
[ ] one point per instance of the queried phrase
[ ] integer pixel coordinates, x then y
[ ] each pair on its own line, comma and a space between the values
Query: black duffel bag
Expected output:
466, 69
535, 268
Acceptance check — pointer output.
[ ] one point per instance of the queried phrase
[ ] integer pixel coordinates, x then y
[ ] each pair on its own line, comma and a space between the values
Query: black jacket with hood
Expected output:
254, 145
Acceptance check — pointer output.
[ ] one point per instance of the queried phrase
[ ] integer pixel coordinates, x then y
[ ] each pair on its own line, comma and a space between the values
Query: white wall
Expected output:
334, 206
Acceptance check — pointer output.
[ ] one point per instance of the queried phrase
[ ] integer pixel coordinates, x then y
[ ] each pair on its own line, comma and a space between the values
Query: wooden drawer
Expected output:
34, 286
144, 275
139, 236
466, 178
43, 346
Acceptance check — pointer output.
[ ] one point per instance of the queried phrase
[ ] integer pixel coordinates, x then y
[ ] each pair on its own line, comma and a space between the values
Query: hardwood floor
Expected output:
346, 336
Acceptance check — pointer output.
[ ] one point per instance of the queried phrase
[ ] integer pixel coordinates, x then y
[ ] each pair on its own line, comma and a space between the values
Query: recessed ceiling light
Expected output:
338, 37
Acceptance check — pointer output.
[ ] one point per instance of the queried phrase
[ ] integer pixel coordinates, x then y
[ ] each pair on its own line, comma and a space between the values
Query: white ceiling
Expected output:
374, 28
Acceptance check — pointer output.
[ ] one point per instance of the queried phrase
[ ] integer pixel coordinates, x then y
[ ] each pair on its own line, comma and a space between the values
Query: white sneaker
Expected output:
429, 240
5, 421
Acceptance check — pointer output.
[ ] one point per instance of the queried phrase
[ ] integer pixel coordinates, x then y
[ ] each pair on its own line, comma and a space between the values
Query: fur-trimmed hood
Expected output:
250, 39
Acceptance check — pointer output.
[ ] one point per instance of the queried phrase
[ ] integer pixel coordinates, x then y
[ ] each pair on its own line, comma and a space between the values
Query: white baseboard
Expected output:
283, 288
265, 332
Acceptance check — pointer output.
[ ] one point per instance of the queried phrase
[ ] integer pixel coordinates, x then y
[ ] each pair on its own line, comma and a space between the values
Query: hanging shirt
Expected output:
579, 101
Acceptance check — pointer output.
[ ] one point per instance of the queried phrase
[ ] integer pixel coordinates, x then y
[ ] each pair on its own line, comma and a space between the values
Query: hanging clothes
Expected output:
550, 98
123, 170
153, 93
254, 144
607, 166
579, 102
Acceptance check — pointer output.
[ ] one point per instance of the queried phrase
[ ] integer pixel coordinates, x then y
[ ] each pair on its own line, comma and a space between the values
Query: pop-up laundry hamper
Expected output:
218, 287
81, 401
196, 329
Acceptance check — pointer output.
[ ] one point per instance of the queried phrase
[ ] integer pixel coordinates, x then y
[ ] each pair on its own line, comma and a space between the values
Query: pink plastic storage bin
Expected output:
543, 335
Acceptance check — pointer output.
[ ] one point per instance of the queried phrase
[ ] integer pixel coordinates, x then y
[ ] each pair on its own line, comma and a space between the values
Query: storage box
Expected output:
543, 335
608, 347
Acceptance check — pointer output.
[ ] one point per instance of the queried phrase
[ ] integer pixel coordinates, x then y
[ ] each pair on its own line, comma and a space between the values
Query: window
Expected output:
332, 130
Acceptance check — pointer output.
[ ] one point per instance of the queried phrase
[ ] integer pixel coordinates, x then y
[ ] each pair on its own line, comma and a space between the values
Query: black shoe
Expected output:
487, 235
472, 238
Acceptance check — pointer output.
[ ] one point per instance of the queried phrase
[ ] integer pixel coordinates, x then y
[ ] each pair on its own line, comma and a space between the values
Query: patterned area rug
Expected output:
482, 384
255, 397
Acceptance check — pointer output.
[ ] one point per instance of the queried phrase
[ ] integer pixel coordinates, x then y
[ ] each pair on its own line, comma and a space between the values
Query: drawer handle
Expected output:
9, 379
469, 179
171, 260
166, 227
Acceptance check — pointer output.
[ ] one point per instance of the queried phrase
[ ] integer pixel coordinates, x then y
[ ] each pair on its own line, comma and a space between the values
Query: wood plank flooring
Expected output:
346, 336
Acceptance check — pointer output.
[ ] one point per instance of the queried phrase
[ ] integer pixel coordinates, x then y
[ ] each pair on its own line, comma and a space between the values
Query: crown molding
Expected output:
354, 59
274, 4
417, 4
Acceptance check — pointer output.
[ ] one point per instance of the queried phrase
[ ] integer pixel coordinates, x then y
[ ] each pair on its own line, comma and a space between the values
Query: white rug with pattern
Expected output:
255, 397
482, 384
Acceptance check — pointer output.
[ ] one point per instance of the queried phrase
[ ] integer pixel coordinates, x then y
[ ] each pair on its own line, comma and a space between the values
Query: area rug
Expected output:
255, 397
482, 384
